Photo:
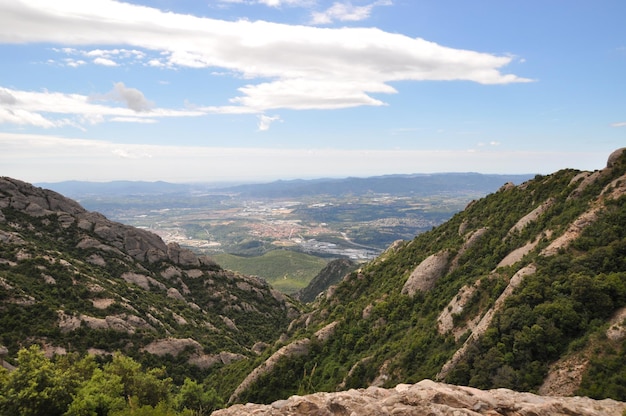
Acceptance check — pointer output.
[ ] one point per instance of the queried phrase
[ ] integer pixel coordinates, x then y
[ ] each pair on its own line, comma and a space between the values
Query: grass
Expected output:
285, 270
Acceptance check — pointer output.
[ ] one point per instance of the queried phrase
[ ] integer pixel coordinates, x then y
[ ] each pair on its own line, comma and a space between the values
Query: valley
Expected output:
521, 290
357, 228
353, 218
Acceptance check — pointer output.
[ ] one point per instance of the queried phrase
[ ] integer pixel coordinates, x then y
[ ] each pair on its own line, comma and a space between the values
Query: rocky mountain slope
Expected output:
331, 274
71, 280
525, 289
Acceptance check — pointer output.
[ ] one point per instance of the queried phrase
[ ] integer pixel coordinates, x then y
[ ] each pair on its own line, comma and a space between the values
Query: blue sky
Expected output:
255, 90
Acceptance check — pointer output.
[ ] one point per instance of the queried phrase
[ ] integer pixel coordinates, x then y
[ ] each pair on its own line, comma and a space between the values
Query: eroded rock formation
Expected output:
432, 399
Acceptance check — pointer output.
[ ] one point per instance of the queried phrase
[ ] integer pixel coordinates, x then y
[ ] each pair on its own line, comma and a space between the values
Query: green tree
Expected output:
36, 387
197, 398
149, 387
100, 395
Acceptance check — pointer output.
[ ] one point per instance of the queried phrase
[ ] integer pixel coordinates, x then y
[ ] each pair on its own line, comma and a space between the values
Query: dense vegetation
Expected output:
70, 287
387, 337
74, 386
287, 271
382, 334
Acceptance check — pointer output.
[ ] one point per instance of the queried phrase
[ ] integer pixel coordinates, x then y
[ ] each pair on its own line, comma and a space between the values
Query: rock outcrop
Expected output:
295, 349
427, 273
429, 398
141, 245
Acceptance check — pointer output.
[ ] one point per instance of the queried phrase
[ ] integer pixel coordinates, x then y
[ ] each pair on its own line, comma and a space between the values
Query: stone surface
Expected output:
140, 244
427, 273
429, 398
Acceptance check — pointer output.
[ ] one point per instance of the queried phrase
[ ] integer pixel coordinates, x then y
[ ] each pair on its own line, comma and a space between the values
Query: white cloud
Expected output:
345, 12
621, 124
319, 94
272, 3
292, 3
74, 63
330, 68
133, 120
53, 109
130, 154
491, 143
38, 158
266, 121
105, 57
104, 61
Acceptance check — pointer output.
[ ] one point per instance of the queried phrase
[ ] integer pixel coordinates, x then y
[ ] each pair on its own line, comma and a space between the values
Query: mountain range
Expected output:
525, 289
420, 184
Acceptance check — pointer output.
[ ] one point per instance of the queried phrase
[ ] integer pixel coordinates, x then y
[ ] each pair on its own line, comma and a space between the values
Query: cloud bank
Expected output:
47, 109
37, 158
286, 66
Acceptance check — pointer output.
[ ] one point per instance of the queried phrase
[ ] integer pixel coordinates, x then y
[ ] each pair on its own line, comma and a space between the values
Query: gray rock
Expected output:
427, 273
429, 398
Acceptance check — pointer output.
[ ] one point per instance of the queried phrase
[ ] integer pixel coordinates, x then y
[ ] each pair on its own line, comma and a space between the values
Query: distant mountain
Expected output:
525, 289
421, 184
74, 189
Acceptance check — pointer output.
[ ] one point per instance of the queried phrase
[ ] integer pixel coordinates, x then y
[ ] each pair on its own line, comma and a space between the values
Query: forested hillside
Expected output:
524, 289
73, 283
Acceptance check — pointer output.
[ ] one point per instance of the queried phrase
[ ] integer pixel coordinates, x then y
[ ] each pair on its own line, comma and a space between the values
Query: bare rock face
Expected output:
613, 157
175, 346
295, 349
182, 256
429, 398
140, 244
36, 201
427, 273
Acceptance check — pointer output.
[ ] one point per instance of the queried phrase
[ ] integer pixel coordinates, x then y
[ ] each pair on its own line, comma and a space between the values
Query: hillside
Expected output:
287, 271
331, 274
525, 289
73, 281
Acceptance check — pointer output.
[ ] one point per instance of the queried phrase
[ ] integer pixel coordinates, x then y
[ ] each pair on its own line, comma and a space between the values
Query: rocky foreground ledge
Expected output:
432, 399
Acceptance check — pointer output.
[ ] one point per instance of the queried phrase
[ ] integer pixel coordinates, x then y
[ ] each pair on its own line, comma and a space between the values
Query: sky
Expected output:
258, 90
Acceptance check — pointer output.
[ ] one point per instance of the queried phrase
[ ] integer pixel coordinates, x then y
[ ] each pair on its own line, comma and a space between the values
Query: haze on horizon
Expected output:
258, 90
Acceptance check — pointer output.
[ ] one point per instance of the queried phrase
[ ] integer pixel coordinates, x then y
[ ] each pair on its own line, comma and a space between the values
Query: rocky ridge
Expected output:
117, 278
429, 398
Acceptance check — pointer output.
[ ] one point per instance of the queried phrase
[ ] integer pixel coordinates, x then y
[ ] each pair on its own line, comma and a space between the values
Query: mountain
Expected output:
422, 184
525, 289
331, 274
82, 188
73, 281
